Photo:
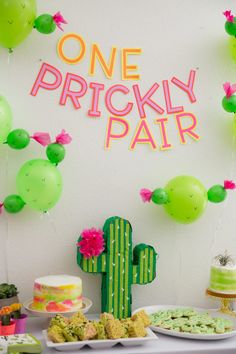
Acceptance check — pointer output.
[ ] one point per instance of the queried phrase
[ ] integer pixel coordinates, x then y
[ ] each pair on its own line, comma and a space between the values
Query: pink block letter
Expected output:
169, 108
111, 108
73, 95
165, 144
188, 130
187, 88
148, 139
94, 112
146, 99
111, 135
46, 68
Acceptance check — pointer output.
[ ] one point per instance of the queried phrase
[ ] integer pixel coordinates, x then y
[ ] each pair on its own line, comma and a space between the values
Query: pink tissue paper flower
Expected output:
63, 138
42, 138
92, 243
146, 195
59, 19
229, 185
1, 207
229, 89
229, 16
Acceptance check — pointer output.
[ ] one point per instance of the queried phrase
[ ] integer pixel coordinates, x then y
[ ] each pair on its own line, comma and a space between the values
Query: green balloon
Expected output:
159, 196
216, 194
45, 24
39, 183
232, 47
13, 204
229, 104
230, 27
55, 152
187, 199
16, 21
18, 139
5, 119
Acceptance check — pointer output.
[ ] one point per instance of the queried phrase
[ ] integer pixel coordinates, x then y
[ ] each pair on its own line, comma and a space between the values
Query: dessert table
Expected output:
165, 344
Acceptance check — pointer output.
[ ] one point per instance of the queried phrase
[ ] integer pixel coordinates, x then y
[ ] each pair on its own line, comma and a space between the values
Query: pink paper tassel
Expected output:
42, 138
91, 243
229, 185
63, 138
229, 16
146, 195
229, 89
1, 207
59, 19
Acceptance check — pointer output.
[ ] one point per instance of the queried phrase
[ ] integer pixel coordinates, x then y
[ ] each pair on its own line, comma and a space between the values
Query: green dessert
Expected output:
190, 322
21, 343
223, 274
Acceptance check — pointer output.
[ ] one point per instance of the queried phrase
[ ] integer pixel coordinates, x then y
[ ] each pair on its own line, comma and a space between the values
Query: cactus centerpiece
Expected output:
119, 266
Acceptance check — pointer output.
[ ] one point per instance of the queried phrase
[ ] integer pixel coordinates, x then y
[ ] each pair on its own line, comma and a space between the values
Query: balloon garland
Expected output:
229, 100
230, 24
18, 18
39, 182
185, 198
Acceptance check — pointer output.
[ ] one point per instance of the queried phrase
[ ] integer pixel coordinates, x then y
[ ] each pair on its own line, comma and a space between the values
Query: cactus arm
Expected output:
93, 264
135, 274
144, 268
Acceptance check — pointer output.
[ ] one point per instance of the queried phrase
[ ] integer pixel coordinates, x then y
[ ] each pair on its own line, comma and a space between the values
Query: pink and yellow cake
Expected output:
57, 293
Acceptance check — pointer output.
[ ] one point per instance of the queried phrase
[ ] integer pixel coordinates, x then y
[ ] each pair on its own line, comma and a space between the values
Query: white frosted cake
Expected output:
57, 293
223, 275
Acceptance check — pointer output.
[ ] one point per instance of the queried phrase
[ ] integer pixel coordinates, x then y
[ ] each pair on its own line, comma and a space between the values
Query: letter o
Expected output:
60, 50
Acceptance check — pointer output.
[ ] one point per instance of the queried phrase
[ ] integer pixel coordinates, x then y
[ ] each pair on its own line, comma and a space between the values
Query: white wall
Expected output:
175, 36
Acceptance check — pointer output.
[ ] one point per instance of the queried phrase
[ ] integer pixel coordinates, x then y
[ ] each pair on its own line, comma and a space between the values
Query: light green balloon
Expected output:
16, 21
187, 199
5, 119
39, 183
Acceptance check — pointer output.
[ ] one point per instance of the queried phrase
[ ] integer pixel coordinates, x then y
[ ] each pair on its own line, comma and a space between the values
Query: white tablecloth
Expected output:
165, 344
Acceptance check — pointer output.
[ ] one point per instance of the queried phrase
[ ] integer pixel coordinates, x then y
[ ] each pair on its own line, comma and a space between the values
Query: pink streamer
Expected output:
229, 89
63, 138
42, 138
229, 16
59, 19
1, 207
229, 185
146, 195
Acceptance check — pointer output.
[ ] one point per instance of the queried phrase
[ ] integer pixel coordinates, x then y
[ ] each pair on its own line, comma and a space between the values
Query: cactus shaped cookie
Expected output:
120, 266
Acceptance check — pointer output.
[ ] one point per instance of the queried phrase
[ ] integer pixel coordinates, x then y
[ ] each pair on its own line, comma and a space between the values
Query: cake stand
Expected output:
225, 299
87, 303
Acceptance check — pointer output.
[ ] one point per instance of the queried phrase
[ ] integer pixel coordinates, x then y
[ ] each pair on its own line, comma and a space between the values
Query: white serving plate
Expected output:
101, 343
87, 303
213, 313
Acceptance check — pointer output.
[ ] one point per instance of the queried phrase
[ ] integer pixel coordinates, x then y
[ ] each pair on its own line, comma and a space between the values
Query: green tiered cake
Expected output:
223, 274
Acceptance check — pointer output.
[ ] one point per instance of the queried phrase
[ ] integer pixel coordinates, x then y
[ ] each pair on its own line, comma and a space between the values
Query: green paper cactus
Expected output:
120, 267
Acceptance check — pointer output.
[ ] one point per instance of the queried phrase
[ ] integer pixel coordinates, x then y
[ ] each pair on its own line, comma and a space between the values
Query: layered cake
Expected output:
57, 293
223, 274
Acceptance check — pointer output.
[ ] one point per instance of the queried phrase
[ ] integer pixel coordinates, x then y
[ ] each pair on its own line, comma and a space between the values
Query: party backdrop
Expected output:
109, 161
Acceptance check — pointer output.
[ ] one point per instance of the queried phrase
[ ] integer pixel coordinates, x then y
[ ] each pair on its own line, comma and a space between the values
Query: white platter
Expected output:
101, 343
213, 313
87, 303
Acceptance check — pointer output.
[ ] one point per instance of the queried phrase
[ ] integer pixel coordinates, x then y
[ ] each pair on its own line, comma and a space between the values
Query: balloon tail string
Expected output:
6, 251
8, 71
7, 228
180, 272
51, 222
225, 203
178, 278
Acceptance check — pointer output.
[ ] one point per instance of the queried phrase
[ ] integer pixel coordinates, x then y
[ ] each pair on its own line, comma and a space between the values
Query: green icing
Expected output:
223, 279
